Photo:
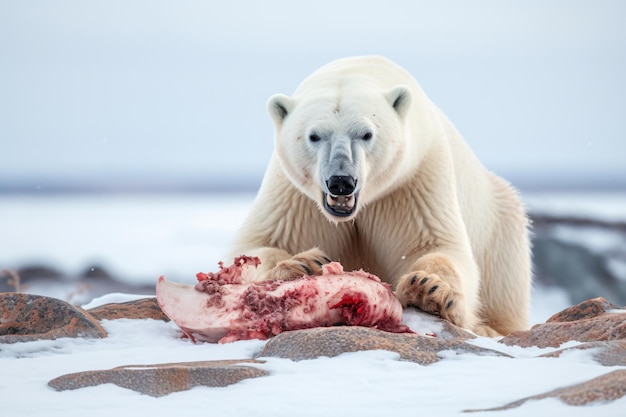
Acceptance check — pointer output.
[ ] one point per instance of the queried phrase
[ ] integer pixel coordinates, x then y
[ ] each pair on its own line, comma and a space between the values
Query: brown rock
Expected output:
608, 387
333, 341
589, 321
453, 332
585, 310
26, 317
163, 379
145, 308
611, 353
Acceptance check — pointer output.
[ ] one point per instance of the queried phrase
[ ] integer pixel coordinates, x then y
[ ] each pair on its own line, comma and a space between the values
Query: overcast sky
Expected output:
174, 92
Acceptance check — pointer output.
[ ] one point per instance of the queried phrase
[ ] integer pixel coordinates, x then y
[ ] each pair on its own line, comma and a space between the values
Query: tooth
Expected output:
351, 201
330, 200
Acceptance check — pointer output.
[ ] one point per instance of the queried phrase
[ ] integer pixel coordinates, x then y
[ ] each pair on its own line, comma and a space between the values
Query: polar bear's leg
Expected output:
506, 268
434, 285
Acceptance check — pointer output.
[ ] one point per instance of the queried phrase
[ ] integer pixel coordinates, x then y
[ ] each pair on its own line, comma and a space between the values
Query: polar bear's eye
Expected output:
367, 136
314, 137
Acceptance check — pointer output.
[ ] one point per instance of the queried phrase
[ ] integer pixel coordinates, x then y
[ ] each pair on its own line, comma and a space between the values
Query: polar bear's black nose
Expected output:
341, 185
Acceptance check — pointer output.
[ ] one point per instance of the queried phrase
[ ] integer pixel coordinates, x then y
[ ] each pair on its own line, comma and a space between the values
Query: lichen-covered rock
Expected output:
590, 321
333, 341
585, 310
145, 308
27, 317
162, 379
608, 387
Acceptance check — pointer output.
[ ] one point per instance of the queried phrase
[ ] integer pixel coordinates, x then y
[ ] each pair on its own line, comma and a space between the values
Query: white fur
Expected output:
421, 191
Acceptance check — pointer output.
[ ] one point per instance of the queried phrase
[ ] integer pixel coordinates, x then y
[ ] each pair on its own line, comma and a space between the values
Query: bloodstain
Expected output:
267, 314
354, 308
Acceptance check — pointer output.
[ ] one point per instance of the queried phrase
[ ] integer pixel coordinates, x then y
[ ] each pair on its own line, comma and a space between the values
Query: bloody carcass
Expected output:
224, 307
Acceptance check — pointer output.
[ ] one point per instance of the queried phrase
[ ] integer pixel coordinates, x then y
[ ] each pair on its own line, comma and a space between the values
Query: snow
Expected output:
606, 206
363, 383
595, 239
114, 297
144, 237
139, 237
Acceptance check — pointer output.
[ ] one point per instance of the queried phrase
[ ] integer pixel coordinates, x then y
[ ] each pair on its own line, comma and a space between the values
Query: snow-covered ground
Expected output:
137, 238
606, 206
140, 238
356, 384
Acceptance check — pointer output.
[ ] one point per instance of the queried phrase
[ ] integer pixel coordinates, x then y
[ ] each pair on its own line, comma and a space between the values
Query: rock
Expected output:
585, 310
163, 379
27, 317
611, 353
94, 281
20, 280
590, 321
564, 256
608, 387
100, 281
31, 272
333, 341
575, 268
452, 332
97, 272
145, 308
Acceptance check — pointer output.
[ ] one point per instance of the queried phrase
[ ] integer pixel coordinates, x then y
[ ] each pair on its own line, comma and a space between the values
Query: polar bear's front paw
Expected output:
431, 294
304, 263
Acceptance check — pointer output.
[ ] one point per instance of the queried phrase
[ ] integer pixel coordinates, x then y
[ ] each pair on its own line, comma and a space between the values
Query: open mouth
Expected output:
340, 205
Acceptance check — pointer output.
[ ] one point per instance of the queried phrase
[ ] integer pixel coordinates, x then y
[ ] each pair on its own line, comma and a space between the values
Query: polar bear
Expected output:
367, 171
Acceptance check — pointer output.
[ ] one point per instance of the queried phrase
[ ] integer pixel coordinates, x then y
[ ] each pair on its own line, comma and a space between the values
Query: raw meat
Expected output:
222, 307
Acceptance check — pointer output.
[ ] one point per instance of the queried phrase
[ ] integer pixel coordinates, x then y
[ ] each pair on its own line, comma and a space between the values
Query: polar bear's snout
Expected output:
341, 185
340, 199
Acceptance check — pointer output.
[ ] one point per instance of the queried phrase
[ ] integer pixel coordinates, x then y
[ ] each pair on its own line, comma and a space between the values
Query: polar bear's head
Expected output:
342, 147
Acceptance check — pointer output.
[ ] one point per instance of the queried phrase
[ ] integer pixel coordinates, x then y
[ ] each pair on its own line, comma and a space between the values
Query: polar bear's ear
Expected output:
279, 106
400, 99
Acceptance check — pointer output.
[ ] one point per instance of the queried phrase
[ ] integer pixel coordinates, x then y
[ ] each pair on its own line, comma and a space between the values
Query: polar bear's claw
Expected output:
309, 263
431, 294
